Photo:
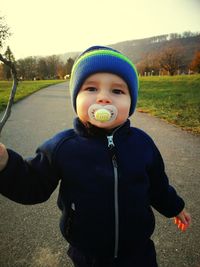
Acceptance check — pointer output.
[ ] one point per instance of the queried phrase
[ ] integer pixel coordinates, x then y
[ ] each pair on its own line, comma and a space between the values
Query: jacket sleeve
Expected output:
29, 181
164, 197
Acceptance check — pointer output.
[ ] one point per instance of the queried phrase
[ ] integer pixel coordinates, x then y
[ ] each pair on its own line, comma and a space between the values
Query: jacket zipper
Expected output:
116, 207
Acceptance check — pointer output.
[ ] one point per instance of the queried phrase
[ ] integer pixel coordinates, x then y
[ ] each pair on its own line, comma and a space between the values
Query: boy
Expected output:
111, 173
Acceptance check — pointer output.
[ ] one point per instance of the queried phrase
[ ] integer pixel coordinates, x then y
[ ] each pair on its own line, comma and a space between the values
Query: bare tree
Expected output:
4, 33
148, 65
195, 64
53, 62
42, 68
69, 65
6, 69
171, 58
12, 94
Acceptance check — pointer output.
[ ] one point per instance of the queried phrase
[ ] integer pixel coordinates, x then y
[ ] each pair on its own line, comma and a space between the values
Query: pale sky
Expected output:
47, 27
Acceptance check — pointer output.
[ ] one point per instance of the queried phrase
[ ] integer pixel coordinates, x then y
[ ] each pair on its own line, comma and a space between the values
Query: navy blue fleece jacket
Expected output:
106, 193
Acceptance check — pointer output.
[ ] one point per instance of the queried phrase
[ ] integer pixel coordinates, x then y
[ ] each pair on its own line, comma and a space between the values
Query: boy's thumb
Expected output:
3, 156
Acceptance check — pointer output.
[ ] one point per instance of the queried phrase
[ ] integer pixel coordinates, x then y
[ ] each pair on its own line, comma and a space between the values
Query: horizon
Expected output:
42, 28
71, 52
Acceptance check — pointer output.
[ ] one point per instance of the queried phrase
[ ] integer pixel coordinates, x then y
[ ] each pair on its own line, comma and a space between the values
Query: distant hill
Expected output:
136, 49
64, 57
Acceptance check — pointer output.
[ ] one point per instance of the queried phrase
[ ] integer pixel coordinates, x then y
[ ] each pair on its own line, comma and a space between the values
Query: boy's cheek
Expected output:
82, 113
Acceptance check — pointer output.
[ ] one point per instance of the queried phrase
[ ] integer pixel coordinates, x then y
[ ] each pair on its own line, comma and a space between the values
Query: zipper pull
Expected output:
110, 141
114, 161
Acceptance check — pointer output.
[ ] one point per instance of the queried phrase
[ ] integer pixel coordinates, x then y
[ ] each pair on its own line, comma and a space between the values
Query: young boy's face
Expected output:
104, 89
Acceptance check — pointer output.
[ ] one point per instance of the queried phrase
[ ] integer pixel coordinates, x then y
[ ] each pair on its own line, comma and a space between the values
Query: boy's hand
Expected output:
183, 220
3, 157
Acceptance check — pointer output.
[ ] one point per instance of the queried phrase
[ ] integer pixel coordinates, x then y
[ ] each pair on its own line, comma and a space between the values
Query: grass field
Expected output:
175, 99
24, 89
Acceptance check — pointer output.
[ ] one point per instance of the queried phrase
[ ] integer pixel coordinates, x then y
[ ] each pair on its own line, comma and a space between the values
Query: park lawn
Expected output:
24, 89
175, 99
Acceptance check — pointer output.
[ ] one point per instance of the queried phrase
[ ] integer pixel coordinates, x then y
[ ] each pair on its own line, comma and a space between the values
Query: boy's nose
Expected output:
103, 99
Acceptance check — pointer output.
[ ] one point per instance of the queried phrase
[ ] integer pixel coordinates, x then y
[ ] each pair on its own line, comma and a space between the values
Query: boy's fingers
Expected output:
3, 157
2, 147
185, 227
180, 225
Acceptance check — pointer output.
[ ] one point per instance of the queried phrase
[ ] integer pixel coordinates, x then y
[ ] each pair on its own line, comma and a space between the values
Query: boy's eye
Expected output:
91, 89
118, 91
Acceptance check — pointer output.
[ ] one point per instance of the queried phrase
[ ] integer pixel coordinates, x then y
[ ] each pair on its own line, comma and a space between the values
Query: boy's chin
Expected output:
104, 125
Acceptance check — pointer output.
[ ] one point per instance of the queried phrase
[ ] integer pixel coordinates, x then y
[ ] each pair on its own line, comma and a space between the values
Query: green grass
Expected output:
24, 89
175, 99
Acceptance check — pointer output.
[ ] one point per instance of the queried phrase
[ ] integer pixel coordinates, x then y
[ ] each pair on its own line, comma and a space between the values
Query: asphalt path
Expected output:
30, 236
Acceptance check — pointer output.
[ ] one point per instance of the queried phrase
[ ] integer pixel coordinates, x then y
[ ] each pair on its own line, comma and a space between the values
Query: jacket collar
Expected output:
94, 131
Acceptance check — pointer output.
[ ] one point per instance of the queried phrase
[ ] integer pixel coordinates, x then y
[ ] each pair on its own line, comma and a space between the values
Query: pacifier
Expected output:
102, 113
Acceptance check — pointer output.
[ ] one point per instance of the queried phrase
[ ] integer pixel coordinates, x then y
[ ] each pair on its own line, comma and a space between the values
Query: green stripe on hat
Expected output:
101, 53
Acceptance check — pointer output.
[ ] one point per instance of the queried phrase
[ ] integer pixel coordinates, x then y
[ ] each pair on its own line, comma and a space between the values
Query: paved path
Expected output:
29, 235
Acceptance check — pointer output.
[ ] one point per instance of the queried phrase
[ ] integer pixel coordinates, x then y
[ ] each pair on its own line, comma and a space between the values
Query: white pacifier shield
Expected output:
102, 113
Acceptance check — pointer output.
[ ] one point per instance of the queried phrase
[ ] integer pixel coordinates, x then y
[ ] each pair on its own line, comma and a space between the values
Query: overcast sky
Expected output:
46, 27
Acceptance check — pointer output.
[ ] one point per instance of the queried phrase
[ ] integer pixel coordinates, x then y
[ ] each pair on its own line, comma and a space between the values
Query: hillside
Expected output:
136, 49
67, 55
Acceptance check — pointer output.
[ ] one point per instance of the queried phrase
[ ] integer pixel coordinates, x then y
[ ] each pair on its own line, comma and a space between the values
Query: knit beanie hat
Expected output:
98, 59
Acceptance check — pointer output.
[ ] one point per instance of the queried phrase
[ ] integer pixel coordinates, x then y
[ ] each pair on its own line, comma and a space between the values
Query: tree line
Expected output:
171, 36
169, 60
37, 68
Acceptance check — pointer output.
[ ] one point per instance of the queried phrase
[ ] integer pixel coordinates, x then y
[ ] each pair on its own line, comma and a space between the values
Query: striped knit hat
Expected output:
103, 59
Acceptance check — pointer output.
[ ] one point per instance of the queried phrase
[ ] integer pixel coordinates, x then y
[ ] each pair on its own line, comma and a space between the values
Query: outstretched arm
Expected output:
26, 181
